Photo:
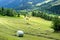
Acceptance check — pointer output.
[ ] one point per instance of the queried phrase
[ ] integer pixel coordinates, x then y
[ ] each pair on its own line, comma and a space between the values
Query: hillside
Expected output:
48, 6
55, 9
53, 6
38, 19
9, 26
18, 4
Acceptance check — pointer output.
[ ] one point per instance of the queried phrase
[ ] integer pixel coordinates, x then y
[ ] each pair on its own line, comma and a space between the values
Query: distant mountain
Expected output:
55, 9
19, 4
53, 6
43, 5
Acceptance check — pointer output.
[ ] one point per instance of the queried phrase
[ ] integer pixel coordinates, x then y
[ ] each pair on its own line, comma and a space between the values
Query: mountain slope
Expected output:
53, 6
18, 4
44, 5
55, 9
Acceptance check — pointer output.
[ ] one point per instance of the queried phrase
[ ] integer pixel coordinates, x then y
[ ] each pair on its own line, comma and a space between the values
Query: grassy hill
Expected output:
36, 30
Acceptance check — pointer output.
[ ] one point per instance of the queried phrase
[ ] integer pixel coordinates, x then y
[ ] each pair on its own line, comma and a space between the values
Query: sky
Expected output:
6, 2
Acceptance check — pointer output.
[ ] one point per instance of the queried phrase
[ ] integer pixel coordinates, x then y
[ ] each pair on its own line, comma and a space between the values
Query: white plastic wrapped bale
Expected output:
20, 33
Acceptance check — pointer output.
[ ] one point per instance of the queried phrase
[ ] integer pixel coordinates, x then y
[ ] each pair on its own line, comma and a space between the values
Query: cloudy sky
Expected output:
6, 2
38, 4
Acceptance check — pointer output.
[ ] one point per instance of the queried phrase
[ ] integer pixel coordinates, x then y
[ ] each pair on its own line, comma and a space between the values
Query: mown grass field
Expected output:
9, 26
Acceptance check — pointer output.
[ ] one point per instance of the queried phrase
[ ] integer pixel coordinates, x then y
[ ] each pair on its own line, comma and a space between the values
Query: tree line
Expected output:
7, 12
55, 19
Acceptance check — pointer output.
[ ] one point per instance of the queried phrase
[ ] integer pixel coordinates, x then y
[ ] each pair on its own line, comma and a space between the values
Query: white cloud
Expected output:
30, 2
48, 1
38, 4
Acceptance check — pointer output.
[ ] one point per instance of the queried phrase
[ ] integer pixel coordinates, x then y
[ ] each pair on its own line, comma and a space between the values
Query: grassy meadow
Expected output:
35, 30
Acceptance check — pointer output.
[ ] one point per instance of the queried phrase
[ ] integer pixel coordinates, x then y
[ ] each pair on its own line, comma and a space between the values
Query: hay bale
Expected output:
50, 30
20, 33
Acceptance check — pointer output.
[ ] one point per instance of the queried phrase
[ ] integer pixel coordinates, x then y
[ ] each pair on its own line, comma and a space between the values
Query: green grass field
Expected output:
9, 26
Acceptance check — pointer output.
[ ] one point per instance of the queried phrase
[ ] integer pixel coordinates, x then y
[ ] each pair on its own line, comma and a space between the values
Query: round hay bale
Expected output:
49, 30
20, 33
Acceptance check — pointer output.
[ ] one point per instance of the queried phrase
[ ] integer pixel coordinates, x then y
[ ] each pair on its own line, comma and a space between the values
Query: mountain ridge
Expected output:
31, 4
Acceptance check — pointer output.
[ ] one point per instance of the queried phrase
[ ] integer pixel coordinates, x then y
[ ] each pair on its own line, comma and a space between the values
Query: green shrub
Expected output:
10, 12
7, 12
56, 24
